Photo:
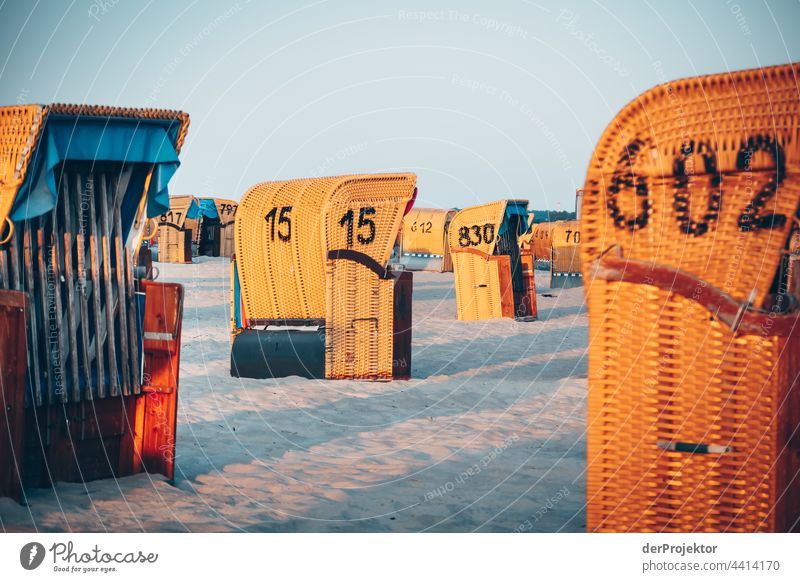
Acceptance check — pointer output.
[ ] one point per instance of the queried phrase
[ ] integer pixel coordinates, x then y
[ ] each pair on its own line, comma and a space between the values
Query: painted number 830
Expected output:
475, 235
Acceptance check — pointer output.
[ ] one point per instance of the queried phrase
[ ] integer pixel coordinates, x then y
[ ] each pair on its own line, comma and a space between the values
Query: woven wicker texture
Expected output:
365, 216
359, 323
284, 230
686, 177
472, 238
424, 230
565, 237
19, 132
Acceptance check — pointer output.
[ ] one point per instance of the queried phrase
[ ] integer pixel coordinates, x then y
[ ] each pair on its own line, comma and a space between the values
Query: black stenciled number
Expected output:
488, 233
424, 227
476, 230
368, 222
682, 174
624, 178
169, 217
484, 234
751, 218
347, 222
463, 236
282, 219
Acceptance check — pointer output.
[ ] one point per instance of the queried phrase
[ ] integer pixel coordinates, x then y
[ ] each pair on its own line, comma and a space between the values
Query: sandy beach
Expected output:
488, 435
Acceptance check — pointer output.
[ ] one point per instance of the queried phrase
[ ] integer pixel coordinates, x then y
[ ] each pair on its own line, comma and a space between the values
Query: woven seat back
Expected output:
472, 237
690, 415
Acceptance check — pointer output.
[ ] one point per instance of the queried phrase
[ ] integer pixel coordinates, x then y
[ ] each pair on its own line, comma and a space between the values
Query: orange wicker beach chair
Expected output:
694, 405
424, 240
89, 353
492, 278
311, 293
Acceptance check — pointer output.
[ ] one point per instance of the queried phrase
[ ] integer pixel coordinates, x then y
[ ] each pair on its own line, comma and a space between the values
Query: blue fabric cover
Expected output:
208, 209
514, 209
194, 210
144, 143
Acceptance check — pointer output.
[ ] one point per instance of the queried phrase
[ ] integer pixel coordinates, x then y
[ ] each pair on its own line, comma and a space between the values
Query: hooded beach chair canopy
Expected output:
37, 138
313, 253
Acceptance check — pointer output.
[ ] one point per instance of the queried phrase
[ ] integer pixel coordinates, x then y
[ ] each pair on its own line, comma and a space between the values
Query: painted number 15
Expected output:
364, 237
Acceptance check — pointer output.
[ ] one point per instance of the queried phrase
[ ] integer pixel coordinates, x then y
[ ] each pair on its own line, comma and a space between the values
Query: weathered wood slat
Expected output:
94, 259
15, 264
81, 190
35, 346
55, 311
134, 336
109, 292
65, 202
44, 302
119, 270
4, 281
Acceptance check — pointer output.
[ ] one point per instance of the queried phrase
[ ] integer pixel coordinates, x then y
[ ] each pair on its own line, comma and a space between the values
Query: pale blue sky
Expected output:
483, 100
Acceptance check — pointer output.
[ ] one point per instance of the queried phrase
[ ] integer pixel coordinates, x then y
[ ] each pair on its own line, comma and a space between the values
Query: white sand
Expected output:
487, 436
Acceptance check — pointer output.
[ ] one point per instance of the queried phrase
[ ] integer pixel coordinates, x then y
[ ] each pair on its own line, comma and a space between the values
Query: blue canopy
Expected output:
208, 209
145, 144
515, 208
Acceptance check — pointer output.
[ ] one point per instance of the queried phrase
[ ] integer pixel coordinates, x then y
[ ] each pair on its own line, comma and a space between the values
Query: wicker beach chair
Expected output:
424, 240
89, 354
226, 210
176, 228
694, 404
491, 278
310, 276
